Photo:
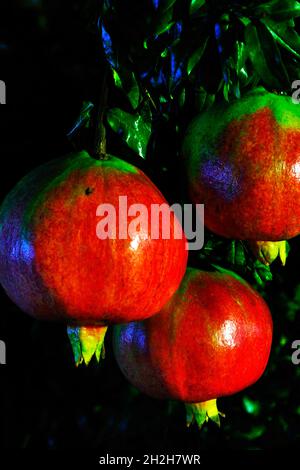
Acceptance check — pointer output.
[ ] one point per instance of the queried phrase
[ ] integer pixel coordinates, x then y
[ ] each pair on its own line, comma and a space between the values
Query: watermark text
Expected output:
2, 92
139, 222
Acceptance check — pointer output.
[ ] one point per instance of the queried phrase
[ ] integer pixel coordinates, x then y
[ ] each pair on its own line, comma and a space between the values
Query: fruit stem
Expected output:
87, 341
100, 134
202, 412
100, 137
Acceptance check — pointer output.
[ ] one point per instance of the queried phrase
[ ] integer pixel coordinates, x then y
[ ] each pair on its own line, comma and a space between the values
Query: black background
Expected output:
49, 59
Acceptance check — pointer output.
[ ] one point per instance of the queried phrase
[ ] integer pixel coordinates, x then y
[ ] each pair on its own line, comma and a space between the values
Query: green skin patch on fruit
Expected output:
80, 162
219, 117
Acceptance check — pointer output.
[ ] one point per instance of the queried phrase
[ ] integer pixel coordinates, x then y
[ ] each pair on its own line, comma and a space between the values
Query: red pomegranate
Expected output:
212, 339
243, 163
53, 265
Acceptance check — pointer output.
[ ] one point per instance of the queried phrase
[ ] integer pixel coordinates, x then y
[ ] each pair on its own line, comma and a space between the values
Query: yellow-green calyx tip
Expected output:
87, 341
201, 413
267, 252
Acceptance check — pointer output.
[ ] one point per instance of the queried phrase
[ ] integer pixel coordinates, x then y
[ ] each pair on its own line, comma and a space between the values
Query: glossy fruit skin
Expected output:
53, 266
212, 339
243, 163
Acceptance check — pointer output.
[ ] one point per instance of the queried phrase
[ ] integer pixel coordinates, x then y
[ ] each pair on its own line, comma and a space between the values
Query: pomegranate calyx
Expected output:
266, 252
202, 412
87, 341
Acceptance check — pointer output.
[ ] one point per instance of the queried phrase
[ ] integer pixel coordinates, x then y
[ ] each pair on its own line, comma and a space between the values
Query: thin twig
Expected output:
100, 134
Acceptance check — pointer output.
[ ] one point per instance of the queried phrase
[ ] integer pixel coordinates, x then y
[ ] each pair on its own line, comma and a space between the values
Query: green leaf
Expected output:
209, 101
240, 257
246, 21
182, 98
108, 47
236, 253
134, 95
164, 25
84, 119
165, 5
280, 10
264, 272
273, 55
126, 81
196, 5
256, 55
258, 279
226, 90
231, 252
164, 19
196, 57
203, 100
251, 406
265, 56
135, 129
254, 433
285, 36
239, 57
117, 79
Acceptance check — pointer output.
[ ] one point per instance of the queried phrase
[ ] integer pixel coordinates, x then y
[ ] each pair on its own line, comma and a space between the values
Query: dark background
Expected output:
50, 60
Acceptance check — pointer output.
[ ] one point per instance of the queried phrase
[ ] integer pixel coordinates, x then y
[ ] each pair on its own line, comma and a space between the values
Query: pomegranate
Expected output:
54, 267
212, 339
243, 163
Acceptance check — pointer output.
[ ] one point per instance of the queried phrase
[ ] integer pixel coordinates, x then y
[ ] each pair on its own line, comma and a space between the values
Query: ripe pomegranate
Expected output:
243, 163
54, 267
212, 339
